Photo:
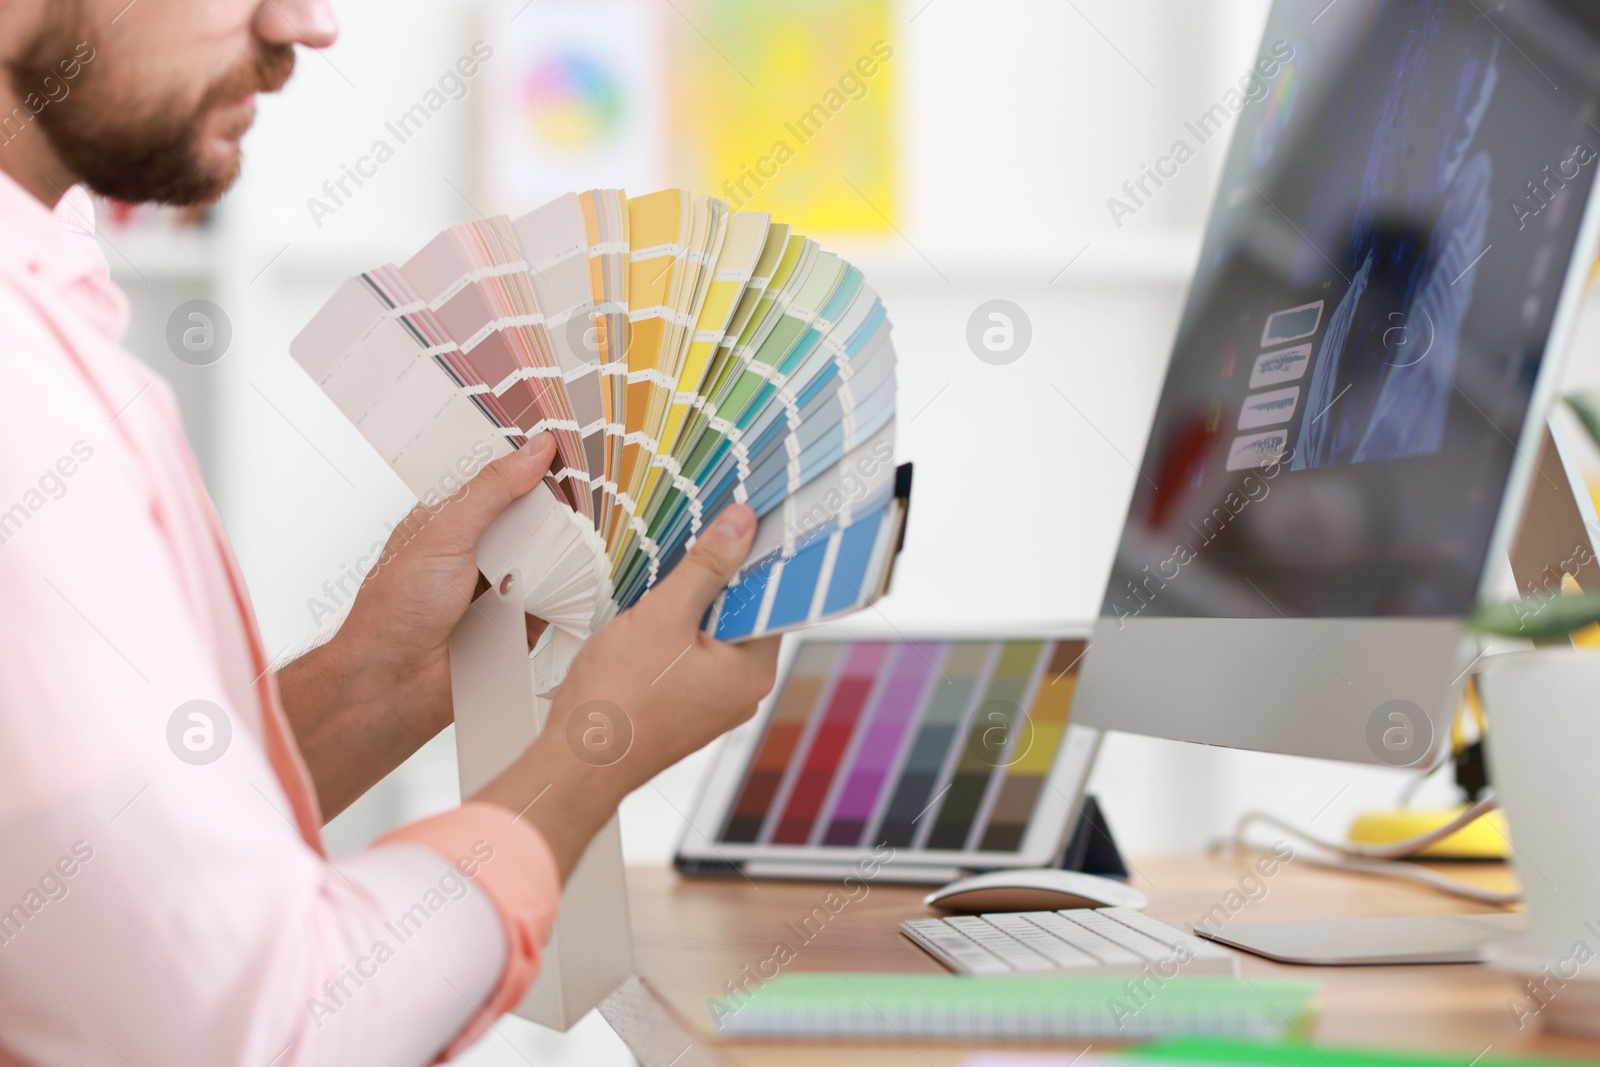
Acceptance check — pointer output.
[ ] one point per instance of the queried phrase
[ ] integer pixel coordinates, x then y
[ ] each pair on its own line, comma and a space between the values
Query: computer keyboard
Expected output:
1108, 942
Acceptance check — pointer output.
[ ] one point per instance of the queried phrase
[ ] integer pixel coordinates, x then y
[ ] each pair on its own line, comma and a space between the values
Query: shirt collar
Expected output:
57, 246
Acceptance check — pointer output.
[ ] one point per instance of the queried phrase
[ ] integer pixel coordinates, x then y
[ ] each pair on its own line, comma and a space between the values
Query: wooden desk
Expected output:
692, 936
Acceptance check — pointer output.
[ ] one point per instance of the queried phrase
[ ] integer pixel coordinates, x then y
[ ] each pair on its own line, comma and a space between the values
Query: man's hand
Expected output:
647, 690
365, 701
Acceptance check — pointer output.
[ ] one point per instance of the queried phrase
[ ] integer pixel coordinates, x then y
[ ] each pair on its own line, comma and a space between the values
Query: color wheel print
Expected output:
572, 102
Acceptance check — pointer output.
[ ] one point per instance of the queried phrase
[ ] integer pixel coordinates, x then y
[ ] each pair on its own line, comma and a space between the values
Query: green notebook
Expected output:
957, 1007
1236, 1054
1222, 1052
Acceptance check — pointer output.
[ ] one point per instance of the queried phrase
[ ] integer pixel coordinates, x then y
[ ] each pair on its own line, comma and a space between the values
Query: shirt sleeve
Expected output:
525, 886
158, 904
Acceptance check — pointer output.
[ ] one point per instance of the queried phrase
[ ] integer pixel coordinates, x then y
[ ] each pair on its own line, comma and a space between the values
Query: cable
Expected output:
1411, 873
1380, 859
1397, 850
1461, 758
1409, 793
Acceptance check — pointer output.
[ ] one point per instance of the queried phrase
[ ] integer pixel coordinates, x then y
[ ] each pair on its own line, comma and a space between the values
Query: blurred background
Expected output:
975, 163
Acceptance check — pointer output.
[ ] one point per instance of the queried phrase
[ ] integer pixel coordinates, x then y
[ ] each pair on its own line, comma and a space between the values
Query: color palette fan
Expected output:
683, 355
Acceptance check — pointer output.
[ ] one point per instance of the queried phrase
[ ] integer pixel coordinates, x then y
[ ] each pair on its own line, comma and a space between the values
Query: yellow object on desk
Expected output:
1483, 839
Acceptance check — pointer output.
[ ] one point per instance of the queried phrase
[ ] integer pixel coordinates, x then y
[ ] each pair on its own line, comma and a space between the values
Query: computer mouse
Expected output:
1034, 889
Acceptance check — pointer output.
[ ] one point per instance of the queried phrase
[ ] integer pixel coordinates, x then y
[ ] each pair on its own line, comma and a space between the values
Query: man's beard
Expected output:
155, 154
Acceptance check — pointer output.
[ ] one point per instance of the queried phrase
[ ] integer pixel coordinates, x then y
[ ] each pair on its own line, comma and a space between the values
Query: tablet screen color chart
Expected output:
919, 744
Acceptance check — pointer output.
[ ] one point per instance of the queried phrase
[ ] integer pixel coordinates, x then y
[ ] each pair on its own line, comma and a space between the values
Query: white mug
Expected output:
1543, 750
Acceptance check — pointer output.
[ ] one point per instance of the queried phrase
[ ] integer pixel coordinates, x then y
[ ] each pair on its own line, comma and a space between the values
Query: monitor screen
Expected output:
1397, 216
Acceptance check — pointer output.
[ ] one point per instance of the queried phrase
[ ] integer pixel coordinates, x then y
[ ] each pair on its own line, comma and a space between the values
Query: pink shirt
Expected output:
154, 910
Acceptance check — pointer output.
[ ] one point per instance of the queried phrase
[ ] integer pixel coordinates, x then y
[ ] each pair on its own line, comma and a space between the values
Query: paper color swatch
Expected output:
685, 356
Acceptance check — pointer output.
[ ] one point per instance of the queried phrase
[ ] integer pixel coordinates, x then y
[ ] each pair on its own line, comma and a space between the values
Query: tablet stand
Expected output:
1091, 848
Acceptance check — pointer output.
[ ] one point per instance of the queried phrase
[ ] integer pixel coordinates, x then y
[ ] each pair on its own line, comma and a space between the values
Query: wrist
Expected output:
354, 716
374, 670
559, 795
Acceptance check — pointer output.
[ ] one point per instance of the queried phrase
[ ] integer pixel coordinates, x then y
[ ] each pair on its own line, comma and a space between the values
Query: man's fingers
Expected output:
762, 652
498, 484
761, 659
745, 671
709, 566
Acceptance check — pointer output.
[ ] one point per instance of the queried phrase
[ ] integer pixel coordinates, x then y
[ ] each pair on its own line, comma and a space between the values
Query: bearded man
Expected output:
156, 908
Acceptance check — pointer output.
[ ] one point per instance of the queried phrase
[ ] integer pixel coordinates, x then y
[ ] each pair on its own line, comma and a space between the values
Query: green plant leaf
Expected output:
1586, 405
1537, 618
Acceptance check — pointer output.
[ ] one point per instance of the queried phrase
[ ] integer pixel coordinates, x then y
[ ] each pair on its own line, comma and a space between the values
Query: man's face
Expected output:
158, 112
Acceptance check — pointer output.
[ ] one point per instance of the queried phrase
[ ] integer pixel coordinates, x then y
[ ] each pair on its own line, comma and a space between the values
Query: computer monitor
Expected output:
1361, 377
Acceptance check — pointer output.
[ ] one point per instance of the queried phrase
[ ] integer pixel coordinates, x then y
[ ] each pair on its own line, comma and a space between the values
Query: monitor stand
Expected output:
1369, 942
1555, 537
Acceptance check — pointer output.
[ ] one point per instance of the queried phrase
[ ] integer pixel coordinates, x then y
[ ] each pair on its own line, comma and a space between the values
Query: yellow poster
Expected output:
787, 106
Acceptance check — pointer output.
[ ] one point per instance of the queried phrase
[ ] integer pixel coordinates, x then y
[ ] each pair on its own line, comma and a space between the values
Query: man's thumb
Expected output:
501, 482
710, 565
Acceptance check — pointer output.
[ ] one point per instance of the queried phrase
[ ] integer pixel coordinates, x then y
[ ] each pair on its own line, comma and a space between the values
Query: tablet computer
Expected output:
929, 757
